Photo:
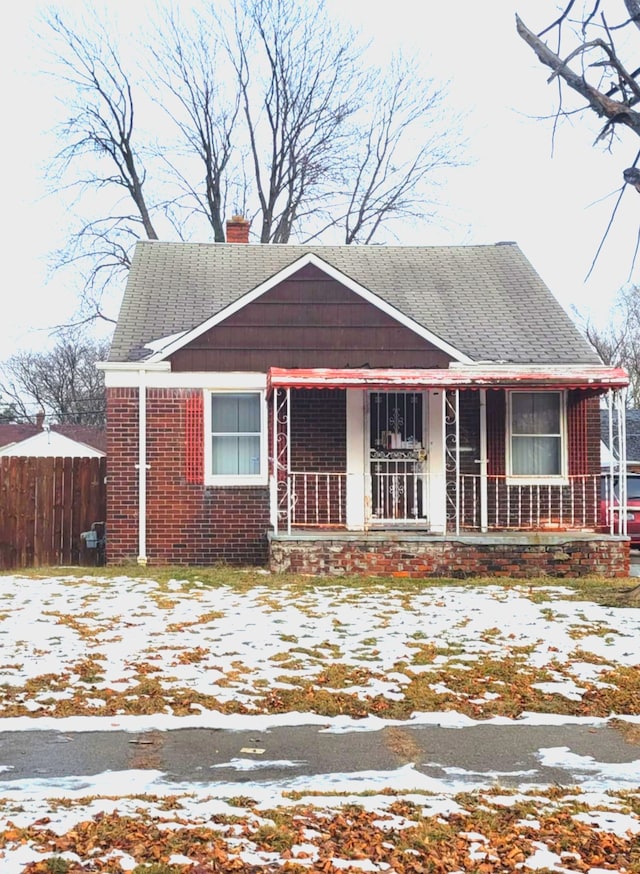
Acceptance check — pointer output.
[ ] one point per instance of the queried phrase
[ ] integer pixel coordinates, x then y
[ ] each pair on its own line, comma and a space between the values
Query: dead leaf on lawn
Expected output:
401, 742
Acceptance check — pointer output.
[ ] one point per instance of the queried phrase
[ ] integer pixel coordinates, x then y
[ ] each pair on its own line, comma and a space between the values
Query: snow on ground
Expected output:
104, 654
117, 647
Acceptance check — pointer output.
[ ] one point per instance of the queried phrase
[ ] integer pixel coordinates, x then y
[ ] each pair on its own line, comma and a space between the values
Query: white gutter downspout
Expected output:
142, 468
483, 461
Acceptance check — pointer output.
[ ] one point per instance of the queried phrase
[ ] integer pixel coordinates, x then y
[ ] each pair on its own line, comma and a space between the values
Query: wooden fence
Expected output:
45, 504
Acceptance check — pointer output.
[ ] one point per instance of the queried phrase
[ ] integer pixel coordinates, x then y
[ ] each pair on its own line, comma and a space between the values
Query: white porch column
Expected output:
616, 404
273, 476
437, 495
482, 462
357, 459
280, 479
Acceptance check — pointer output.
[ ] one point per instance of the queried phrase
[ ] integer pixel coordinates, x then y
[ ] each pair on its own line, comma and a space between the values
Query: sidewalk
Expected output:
480, 756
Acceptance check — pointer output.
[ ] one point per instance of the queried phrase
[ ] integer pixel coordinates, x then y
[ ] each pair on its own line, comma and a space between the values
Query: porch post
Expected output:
622, 456
436, 491
452, 455
280, 495
357, 460
273, 480
612, 464
288, 483
484, 499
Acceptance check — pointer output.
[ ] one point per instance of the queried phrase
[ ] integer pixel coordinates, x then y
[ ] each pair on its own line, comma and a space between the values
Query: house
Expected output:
332, 409
632, 440
58, 441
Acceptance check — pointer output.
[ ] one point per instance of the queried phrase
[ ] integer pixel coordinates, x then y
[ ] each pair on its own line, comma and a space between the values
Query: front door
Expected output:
397, 457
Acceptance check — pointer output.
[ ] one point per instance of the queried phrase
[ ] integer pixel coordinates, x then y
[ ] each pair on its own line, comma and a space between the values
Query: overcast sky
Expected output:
556, 208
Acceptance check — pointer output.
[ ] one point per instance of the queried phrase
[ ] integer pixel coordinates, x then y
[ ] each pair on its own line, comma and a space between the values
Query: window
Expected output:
236, 444
536, 445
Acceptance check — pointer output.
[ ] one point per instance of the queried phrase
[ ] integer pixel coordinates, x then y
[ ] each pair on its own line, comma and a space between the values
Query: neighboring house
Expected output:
410, 410
632, 440
60, 441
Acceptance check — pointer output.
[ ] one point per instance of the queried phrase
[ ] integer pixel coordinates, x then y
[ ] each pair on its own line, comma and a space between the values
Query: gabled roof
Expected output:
487, 302
17, 438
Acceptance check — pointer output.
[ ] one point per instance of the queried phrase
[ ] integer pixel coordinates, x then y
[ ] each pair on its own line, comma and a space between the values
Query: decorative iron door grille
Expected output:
397, 457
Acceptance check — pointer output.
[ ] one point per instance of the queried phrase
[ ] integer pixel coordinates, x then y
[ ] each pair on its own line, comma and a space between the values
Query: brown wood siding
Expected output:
309, 320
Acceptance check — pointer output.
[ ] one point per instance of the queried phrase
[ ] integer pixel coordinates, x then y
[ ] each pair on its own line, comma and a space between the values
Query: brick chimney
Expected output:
238, 229
40, 420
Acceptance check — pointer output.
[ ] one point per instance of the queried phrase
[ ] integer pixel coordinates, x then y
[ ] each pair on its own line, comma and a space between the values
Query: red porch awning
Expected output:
463, 377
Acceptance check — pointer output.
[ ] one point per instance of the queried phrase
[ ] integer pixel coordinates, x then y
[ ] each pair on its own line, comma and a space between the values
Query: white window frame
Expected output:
561, 478
210, 479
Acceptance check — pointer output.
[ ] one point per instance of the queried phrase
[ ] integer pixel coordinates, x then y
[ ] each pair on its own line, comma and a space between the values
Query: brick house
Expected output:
415, 410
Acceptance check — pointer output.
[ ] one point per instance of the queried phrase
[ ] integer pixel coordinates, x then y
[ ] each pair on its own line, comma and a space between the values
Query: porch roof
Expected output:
461, 377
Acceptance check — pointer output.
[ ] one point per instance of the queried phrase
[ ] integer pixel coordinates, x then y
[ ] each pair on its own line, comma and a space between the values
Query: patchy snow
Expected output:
609, 821
111, 638
616, 773
71, 647
253, 765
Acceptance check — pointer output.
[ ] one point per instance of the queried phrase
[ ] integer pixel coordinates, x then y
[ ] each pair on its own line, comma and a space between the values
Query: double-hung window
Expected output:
536, 447
236, 444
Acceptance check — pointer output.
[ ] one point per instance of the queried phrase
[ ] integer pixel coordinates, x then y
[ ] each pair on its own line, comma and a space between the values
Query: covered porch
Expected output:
497, 451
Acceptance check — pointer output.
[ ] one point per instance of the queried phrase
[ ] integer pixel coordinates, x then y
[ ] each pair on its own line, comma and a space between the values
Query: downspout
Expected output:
142, 468
483, 461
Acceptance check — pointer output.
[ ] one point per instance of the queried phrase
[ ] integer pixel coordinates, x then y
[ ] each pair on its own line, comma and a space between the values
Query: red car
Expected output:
632, 506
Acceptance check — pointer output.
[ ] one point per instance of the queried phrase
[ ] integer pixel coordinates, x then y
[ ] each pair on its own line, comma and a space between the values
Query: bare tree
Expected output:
399, 147
274, 113
63, 382
102, 119
618, 342
99, 154
593, 56
189, 67
298, 76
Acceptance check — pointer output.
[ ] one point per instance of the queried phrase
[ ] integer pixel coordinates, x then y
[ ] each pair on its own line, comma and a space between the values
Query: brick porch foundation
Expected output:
405, 555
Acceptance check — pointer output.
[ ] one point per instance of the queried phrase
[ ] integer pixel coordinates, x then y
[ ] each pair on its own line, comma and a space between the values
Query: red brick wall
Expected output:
583, 447
186, 523
457, 559
122, 475
319, 445
189, 523
319, 430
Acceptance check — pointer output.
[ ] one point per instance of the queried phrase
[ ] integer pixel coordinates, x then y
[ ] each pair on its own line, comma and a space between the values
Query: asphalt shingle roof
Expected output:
487, 301
632, 418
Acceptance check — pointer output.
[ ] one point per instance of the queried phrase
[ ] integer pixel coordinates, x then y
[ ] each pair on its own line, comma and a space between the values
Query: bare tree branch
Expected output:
270, 111
618, 343
64, 382
298, 77
103, 121
588, 61
615, 111
189, 68
398, 150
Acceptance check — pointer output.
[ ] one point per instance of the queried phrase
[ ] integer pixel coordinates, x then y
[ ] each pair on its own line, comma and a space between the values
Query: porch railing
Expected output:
319, 499
575, 504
